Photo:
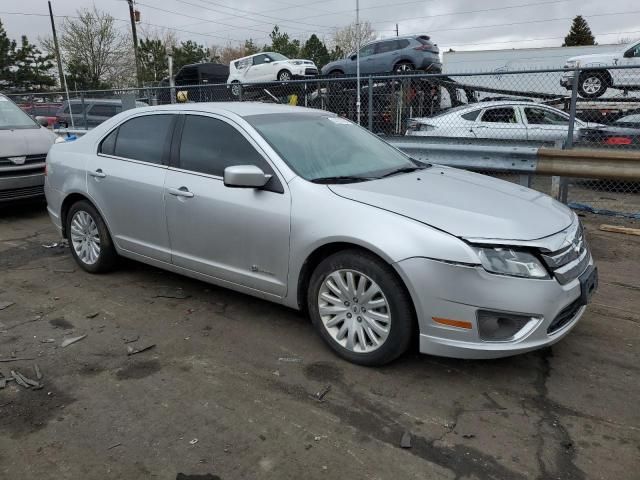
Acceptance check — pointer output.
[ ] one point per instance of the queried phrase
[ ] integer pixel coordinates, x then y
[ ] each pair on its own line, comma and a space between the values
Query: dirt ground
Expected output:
228, 390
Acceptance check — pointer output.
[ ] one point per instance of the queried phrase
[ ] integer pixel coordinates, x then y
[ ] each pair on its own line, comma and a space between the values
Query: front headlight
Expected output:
515, 263
297, 63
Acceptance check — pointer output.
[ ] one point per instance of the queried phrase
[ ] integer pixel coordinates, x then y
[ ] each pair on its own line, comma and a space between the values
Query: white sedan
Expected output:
501, 120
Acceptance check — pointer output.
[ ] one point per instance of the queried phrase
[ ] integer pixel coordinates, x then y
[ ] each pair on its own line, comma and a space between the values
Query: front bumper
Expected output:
22, 186
450, 291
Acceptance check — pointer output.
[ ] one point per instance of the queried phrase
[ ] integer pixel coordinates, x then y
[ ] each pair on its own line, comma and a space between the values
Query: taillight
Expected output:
618, 141
424, 48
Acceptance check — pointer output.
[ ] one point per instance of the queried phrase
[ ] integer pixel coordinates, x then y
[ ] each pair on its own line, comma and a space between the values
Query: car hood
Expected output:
464, 204
604, 58
27, 141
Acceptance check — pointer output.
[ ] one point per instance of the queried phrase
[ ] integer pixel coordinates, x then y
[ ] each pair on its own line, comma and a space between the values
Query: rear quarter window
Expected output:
471, 116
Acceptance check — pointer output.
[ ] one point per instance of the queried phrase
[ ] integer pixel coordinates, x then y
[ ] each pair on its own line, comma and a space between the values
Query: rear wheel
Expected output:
592, 84
360, 308
404, 67
89, 239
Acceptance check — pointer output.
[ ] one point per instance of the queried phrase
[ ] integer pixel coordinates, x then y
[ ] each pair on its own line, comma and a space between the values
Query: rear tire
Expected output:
89, 239
592, 84
360, 308
404, 67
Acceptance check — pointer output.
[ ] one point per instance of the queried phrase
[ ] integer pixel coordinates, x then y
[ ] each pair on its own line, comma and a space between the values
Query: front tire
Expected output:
592, 84
360, 308
89, 239
235, 88
284, 76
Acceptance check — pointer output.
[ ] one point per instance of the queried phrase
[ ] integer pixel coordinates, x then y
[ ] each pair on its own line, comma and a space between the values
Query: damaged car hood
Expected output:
464, 204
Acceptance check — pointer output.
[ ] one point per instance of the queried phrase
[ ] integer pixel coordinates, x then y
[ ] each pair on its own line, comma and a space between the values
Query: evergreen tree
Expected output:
580, 34
281, 43
314, 49
153, 60
187, 53
7, 56
32, 68
250, 48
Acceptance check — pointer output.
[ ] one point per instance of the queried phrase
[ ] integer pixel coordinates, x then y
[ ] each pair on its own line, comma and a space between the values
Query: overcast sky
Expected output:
458, 24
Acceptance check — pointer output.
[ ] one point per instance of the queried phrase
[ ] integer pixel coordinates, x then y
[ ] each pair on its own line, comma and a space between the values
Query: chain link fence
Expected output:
596, 108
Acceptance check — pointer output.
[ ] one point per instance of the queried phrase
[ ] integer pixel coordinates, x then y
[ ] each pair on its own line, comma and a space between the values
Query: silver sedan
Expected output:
309, 210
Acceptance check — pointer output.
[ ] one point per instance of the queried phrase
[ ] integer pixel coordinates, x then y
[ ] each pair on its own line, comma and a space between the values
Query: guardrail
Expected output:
578, 163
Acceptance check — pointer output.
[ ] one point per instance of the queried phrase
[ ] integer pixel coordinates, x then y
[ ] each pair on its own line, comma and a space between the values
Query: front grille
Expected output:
18, 193
311, 71
571, 260
564, 317
33, 164
5, 162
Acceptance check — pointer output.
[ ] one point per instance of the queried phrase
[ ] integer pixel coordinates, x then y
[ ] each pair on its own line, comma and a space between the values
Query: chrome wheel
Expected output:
284, 77
235, 89
354, 311
85, 237
404, 67
592, 85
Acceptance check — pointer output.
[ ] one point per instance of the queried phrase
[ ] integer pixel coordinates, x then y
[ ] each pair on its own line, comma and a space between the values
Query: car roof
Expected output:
242, 109
493, 103
254, 55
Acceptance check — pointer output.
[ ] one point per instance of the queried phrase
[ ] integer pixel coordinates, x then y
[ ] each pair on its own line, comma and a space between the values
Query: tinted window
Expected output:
259, 59
471, 115
403, 44
635, 118
542, 116
500, 115
105, 110
108, 144
633, 51
367, 50
144, 138
384, 47
76, 108
209, 146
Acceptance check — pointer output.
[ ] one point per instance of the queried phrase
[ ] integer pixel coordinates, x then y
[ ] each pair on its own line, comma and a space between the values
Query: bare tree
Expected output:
346, 38
226, 54
95, 51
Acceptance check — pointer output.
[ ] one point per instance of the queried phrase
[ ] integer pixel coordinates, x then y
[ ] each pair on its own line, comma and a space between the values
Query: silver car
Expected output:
307, 209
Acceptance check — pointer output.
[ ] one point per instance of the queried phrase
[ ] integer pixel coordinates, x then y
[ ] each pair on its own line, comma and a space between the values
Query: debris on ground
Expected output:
37, 371
178, 294
468, 435
405, 441
50, 245
5, 304
72, 340
131, 339
92, 315
47, 340
134, 351
322, 393
616, 229
114, 446
15, 359
290, 359
193, 442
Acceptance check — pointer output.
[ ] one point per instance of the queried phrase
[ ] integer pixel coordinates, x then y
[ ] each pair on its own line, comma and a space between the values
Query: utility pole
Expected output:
397, 32
134, 33
358, 59
57, 47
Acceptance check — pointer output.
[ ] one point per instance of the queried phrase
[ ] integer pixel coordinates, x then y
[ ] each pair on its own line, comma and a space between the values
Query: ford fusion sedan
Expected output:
379, 249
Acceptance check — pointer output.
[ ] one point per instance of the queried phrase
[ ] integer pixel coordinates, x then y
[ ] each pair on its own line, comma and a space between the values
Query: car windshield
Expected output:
12, 118
329, 149
277, 57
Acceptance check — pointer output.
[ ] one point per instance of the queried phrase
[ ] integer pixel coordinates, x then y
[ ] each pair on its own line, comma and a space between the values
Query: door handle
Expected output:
98, 173
181, 192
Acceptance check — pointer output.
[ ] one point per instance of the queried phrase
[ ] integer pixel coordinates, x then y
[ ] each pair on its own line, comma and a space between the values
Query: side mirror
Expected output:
353, 57
245, 176
267, 60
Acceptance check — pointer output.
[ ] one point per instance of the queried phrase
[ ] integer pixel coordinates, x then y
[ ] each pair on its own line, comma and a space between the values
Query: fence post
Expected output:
370, 104
84, 110
563, 184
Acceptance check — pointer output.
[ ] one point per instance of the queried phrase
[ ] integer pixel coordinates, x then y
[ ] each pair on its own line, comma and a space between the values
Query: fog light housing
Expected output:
503, 327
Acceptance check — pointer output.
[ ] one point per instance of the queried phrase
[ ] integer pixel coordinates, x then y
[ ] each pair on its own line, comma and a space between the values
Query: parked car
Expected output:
377, 247
97, 111
610, 136
502, 120
629, 120
398, 54
202, 73
23, 147
268, 67
595, 81
43, 112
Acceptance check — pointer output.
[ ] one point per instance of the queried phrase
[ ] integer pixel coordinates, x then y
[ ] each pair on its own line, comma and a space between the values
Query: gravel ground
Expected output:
228, 390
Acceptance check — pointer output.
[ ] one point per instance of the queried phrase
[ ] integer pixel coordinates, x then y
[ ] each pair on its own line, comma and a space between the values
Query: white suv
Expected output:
268, 67
594, 82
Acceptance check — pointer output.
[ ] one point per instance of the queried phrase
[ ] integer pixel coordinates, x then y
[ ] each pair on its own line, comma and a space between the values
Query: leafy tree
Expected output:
281, 43
314, 49
187, 53
250, 48
32, 68
580, 34
336, 53
7, 55
152, 54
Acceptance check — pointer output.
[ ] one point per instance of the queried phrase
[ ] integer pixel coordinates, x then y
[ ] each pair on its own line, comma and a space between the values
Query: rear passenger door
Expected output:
237, 235
500, 123
125, 180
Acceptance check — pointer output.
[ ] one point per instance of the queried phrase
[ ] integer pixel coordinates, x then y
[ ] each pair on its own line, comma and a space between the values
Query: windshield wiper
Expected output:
341, 179
404, 170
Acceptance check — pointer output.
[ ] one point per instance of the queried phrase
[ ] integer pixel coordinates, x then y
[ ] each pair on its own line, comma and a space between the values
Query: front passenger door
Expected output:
237, 235
501, 123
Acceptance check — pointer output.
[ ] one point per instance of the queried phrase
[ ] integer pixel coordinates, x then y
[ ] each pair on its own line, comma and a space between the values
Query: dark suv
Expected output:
398, 54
